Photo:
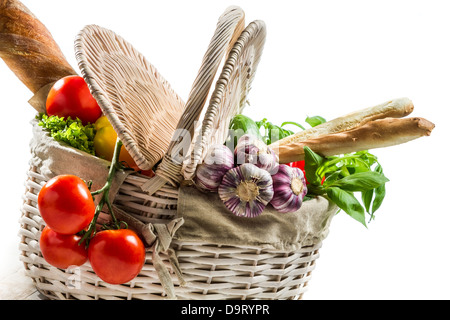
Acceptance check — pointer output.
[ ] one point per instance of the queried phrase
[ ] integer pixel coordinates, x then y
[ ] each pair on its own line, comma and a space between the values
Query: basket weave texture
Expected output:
210, 271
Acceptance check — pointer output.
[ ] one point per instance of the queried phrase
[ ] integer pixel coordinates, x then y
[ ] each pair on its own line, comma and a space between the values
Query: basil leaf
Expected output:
315, 121
344, 171
261, 123
347, 202
361, 165
367, 197
331, 178
367, 157
312, 163
346, 174
361, 181
380, 192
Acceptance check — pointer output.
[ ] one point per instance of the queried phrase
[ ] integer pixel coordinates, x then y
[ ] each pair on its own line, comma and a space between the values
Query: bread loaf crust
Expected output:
28, 48
374, 134
397, 108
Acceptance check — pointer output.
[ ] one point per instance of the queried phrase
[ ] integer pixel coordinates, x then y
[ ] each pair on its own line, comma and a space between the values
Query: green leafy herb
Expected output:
360, 181
70, 131
293, 123
313, 162
240, 125
379, 192
315, 121
347, 202
312, 121
345, 175
272, 132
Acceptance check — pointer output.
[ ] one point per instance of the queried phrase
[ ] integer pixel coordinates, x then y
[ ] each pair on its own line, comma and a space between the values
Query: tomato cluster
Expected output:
67, 207
66, 204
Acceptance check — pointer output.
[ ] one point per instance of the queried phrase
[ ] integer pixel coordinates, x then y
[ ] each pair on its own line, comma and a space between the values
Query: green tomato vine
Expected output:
105, 200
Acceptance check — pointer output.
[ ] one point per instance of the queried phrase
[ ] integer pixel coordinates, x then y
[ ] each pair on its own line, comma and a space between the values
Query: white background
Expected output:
323, 58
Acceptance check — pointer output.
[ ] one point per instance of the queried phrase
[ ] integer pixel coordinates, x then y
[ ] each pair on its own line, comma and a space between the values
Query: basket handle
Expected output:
228, 29
230, 95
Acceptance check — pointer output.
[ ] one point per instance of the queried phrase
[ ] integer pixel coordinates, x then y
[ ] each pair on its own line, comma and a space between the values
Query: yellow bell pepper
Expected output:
105, 142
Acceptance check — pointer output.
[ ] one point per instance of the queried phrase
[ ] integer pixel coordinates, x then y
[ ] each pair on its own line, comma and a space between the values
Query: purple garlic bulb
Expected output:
210, 172
250, 149
289, 186
246, 190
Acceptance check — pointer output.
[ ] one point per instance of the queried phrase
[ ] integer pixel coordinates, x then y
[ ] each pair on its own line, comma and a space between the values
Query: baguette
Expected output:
397, 108
374, 134
28, 48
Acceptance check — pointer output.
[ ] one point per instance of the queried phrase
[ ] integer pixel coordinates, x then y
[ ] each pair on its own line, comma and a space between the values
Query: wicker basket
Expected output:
211, 271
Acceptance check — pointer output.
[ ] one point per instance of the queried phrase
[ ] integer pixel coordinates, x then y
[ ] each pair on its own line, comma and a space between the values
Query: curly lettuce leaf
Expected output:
70, 131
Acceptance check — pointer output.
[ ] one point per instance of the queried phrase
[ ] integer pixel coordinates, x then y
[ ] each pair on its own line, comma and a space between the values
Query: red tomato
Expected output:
66, 204
301, 166
70, 96
62, 251
116, 256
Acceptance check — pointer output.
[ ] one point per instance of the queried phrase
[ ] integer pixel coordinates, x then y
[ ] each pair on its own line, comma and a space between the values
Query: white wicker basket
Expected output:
211, 271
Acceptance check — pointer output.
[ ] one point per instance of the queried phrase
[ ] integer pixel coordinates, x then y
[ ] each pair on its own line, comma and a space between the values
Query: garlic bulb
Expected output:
289, 187
210, 172
250, 149
246, 190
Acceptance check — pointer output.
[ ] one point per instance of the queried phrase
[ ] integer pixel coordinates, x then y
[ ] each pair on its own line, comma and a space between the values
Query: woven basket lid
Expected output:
231, 93
139, 103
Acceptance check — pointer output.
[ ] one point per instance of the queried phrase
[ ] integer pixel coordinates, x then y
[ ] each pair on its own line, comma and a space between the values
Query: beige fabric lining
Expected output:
208, 220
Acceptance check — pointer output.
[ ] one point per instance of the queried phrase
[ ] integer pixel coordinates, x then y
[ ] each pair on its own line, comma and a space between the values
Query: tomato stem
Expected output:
104, 191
